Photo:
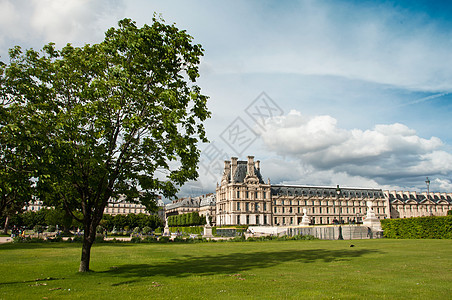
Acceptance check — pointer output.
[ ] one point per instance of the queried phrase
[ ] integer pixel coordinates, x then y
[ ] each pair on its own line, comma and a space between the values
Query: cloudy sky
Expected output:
355, 93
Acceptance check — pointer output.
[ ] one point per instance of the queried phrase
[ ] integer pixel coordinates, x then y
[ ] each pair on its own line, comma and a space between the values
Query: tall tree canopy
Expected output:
120, 117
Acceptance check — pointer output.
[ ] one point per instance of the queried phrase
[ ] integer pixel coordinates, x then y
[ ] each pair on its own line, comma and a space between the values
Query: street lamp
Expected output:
338, 193
428, 187
220, 211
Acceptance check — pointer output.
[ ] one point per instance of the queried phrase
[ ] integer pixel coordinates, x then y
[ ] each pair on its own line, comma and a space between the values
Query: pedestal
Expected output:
371, 219
207, 232
166, 231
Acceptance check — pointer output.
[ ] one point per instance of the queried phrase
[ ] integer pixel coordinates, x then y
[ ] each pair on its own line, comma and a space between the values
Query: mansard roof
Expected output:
241, 171
311, 191
419, 198
204, 200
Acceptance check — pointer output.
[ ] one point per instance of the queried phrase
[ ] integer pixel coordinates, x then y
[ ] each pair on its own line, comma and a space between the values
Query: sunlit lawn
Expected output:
372, 269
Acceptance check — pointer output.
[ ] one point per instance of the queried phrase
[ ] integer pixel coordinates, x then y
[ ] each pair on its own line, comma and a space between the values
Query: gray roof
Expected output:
419, 198
285, 190
241, 171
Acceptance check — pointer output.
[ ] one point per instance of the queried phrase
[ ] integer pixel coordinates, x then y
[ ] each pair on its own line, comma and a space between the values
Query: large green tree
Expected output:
122, 117
16, 171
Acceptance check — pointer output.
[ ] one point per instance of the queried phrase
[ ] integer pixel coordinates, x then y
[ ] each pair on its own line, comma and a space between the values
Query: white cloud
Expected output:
382, 152
37, 22
442, 185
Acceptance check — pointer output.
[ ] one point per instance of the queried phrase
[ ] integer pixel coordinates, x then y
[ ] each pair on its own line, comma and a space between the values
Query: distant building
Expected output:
120, 206
244, 198
200, 204
412, 204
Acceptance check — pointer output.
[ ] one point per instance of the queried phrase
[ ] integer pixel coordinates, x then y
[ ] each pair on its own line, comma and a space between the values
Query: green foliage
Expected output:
51, 228
418, 228
449, 212
135, 239
164, 239
38, 229
20, 239
188, 230
188, 219
139, 220
94, 122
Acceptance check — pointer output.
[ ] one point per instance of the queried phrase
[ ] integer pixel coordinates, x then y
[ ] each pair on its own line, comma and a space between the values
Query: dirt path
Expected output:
5, 239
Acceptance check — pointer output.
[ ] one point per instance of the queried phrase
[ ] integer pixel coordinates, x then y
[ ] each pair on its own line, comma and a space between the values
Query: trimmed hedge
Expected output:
188, 219
418, 228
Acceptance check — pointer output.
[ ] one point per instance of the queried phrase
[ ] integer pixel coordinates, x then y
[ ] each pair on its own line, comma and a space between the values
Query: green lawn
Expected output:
372, 269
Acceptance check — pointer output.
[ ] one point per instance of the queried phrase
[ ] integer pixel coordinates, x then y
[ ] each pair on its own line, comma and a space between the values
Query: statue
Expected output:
207, 227
166, 231
371, 220
207, 219
305, 219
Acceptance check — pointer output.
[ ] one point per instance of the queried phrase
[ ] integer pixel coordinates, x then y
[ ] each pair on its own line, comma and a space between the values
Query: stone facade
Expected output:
201, 204
243, 198
412, 204
324, 205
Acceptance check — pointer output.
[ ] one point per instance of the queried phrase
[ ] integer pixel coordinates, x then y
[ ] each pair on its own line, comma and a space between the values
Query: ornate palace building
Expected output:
243, 197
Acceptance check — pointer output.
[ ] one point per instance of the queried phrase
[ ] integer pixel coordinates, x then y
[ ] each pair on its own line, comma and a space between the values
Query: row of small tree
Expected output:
190, 219
43, 217
60, 218
130, 221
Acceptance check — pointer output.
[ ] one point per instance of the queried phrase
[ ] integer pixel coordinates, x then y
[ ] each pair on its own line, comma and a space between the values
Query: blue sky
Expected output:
360, 91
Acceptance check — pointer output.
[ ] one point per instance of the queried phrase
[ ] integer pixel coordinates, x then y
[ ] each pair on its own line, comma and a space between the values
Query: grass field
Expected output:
372, 269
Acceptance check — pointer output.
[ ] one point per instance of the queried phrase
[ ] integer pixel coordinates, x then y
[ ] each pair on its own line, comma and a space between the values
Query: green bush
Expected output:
147, 230
188, 230
150, 239
418, 228
99, 238
38, 229
77, 239
164, 239
135, 239
20, 239
51, 228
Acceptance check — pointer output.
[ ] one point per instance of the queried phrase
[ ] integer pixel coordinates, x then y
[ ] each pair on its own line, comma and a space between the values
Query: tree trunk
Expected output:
89, 236
5, 231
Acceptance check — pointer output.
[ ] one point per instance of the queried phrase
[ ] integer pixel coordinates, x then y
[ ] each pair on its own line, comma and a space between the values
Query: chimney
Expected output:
227, 170
258, 165
233, 167
250, 166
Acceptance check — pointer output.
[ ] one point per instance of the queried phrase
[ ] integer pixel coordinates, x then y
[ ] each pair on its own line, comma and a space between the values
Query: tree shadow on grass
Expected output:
56, 245
233, 263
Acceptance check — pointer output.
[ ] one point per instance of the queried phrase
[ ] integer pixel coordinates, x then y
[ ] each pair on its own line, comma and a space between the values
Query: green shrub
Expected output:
20, 239
99, 238
147, 230
77, 239
38, 229
137, 230
135, 239
51, 228
150, 239
164, 239
99, 229
418, 228
179, 239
